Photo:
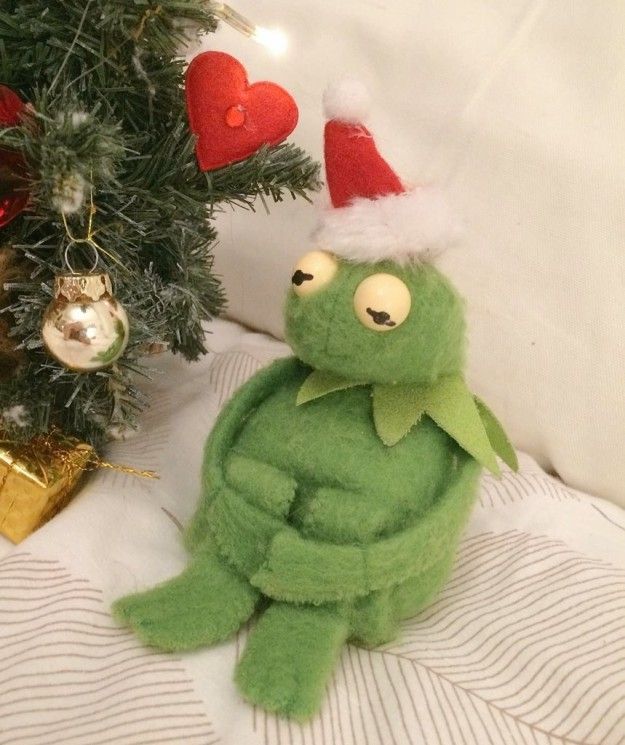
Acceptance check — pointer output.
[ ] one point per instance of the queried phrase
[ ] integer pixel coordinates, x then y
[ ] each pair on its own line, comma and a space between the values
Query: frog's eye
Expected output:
382, 302
313, 271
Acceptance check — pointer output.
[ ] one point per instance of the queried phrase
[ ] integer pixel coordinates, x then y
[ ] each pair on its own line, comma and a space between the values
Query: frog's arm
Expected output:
231, 420
224, 434
303, 570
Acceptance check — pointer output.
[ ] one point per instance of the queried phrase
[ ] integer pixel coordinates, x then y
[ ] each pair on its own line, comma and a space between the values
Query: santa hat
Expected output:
374, 216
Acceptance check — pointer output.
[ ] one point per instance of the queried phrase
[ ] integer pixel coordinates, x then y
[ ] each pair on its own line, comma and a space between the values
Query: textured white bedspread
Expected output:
526, 644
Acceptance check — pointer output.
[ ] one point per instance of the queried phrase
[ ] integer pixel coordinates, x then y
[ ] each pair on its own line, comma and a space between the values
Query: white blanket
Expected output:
526, 644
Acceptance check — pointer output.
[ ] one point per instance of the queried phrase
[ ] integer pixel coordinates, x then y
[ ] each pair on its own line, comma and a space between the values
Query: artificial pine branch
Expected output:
271, 171
105, 84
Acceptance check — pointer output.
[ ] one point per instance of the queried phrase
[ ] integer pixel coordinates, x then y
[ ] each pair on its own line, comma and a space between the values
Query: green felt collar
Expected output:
448, 402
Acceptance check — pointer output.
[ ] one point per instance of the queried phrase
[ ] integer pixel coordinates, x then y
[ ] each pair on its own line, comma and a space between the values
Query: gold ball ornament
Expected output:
85, 328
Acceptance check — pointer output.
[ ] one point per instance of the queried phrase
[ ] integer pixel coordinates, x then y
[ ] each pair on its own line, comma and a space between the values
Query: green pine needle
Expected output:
106, 84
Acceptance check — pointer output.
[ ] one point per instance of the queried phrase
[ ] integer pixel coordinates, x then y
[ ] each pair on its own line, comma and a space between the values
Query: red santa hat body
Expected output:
374, 216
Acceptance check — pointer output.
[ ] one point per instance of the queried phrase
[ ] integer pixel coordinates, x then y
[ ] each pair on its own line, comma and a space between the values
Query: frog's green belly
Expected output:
331, 442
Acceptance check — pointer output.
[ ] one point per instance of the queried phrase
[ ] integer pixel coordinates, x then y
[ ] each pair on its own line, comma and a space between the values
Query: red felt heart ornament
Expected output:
231, 118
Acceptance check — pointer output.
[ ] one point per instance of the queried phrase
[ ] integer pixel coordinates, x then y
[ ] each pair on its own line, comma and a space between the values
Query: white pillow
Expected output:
518, 109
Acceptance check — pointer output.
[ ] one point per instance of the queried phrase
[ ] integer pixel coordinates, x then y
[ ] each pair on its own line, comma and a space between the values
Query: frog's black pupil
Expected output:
300, 277
380, 317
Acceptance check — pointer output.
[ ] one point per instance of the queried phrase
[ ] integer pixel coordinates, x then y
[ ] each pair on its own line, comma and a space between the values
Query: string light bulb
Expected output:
274, 40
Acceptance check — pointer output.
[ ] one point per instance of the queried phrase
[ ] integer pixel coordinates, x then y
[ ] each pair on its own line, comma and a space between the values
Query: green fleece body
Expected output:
307, 515
341, 466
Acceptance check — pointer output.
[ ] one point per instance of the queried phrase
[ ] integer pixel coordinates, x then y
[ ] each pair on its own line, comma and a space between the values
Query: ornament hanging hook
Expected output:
88, 239
92, 245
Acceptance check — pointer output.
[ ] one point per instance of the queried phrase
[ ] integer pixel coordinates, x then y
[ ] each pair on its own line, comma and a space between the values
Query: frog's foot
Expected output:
205, 604
290, 657
374, 619
416, 593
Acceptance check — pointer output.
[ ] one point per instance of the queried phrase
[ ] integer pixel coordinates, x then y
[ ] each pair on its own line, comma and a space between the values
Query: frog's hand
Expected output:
338, 515
263, 484
302, 570
227, 427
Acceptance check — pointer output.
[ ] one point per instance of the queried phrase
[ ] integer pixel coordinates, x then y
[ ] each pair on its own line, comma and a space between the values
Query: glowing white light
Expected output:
273, 38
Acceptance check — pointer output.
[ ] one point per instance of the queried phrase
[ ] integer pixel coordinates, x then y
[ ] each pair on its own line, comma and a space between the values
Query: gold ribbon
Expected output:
55, 446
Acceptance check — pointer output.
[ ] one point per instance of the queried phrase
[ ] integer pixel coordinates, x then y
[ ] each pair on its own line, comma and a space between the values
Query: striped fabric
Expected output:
525, 645
68, 675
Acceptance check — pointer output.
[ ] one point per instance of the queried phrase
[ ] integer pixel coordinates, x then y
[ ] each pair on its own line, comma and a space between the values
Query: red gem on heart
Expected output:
235, 116
231, 118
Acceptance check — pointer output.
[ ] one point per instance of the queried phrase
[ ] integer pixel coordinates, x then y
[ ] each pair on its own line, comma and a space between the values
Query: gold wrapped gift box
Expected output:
37, 480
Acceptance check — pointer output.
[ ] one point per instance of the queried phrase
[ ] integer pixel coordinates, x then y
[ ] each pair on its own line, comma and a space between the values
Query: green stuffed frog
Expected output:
336, 483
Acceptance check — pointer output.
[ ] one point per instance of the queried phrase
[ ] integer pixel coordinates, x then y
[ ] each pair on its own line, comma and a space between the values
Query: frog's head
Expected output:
381, 313
378, 322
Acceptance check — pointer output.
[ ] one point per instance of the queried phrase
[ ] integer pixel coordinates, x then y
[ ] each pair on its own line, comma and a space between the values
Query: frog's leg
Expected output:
205, 604
375, 618
290, 657
417, 592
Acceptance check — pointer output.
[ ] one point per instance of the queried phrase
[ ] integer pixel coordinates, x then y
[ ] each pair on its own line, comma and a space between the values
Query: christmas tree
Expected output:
102, 150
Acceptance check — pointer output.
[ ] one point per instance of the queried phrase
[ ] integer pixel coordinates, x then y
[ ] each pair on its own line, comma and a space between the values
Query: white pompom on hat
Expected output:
373, 215
348, 101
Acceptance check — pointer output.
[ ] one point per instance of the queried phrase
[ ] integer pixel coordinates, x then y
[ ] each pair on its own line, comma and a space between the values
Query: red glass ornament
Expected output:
11, 107
13, 194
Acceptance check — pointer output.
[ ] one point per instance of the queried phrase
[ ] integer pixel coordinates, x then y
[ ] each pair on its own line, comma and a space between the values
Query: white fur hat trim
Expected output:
411, 227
